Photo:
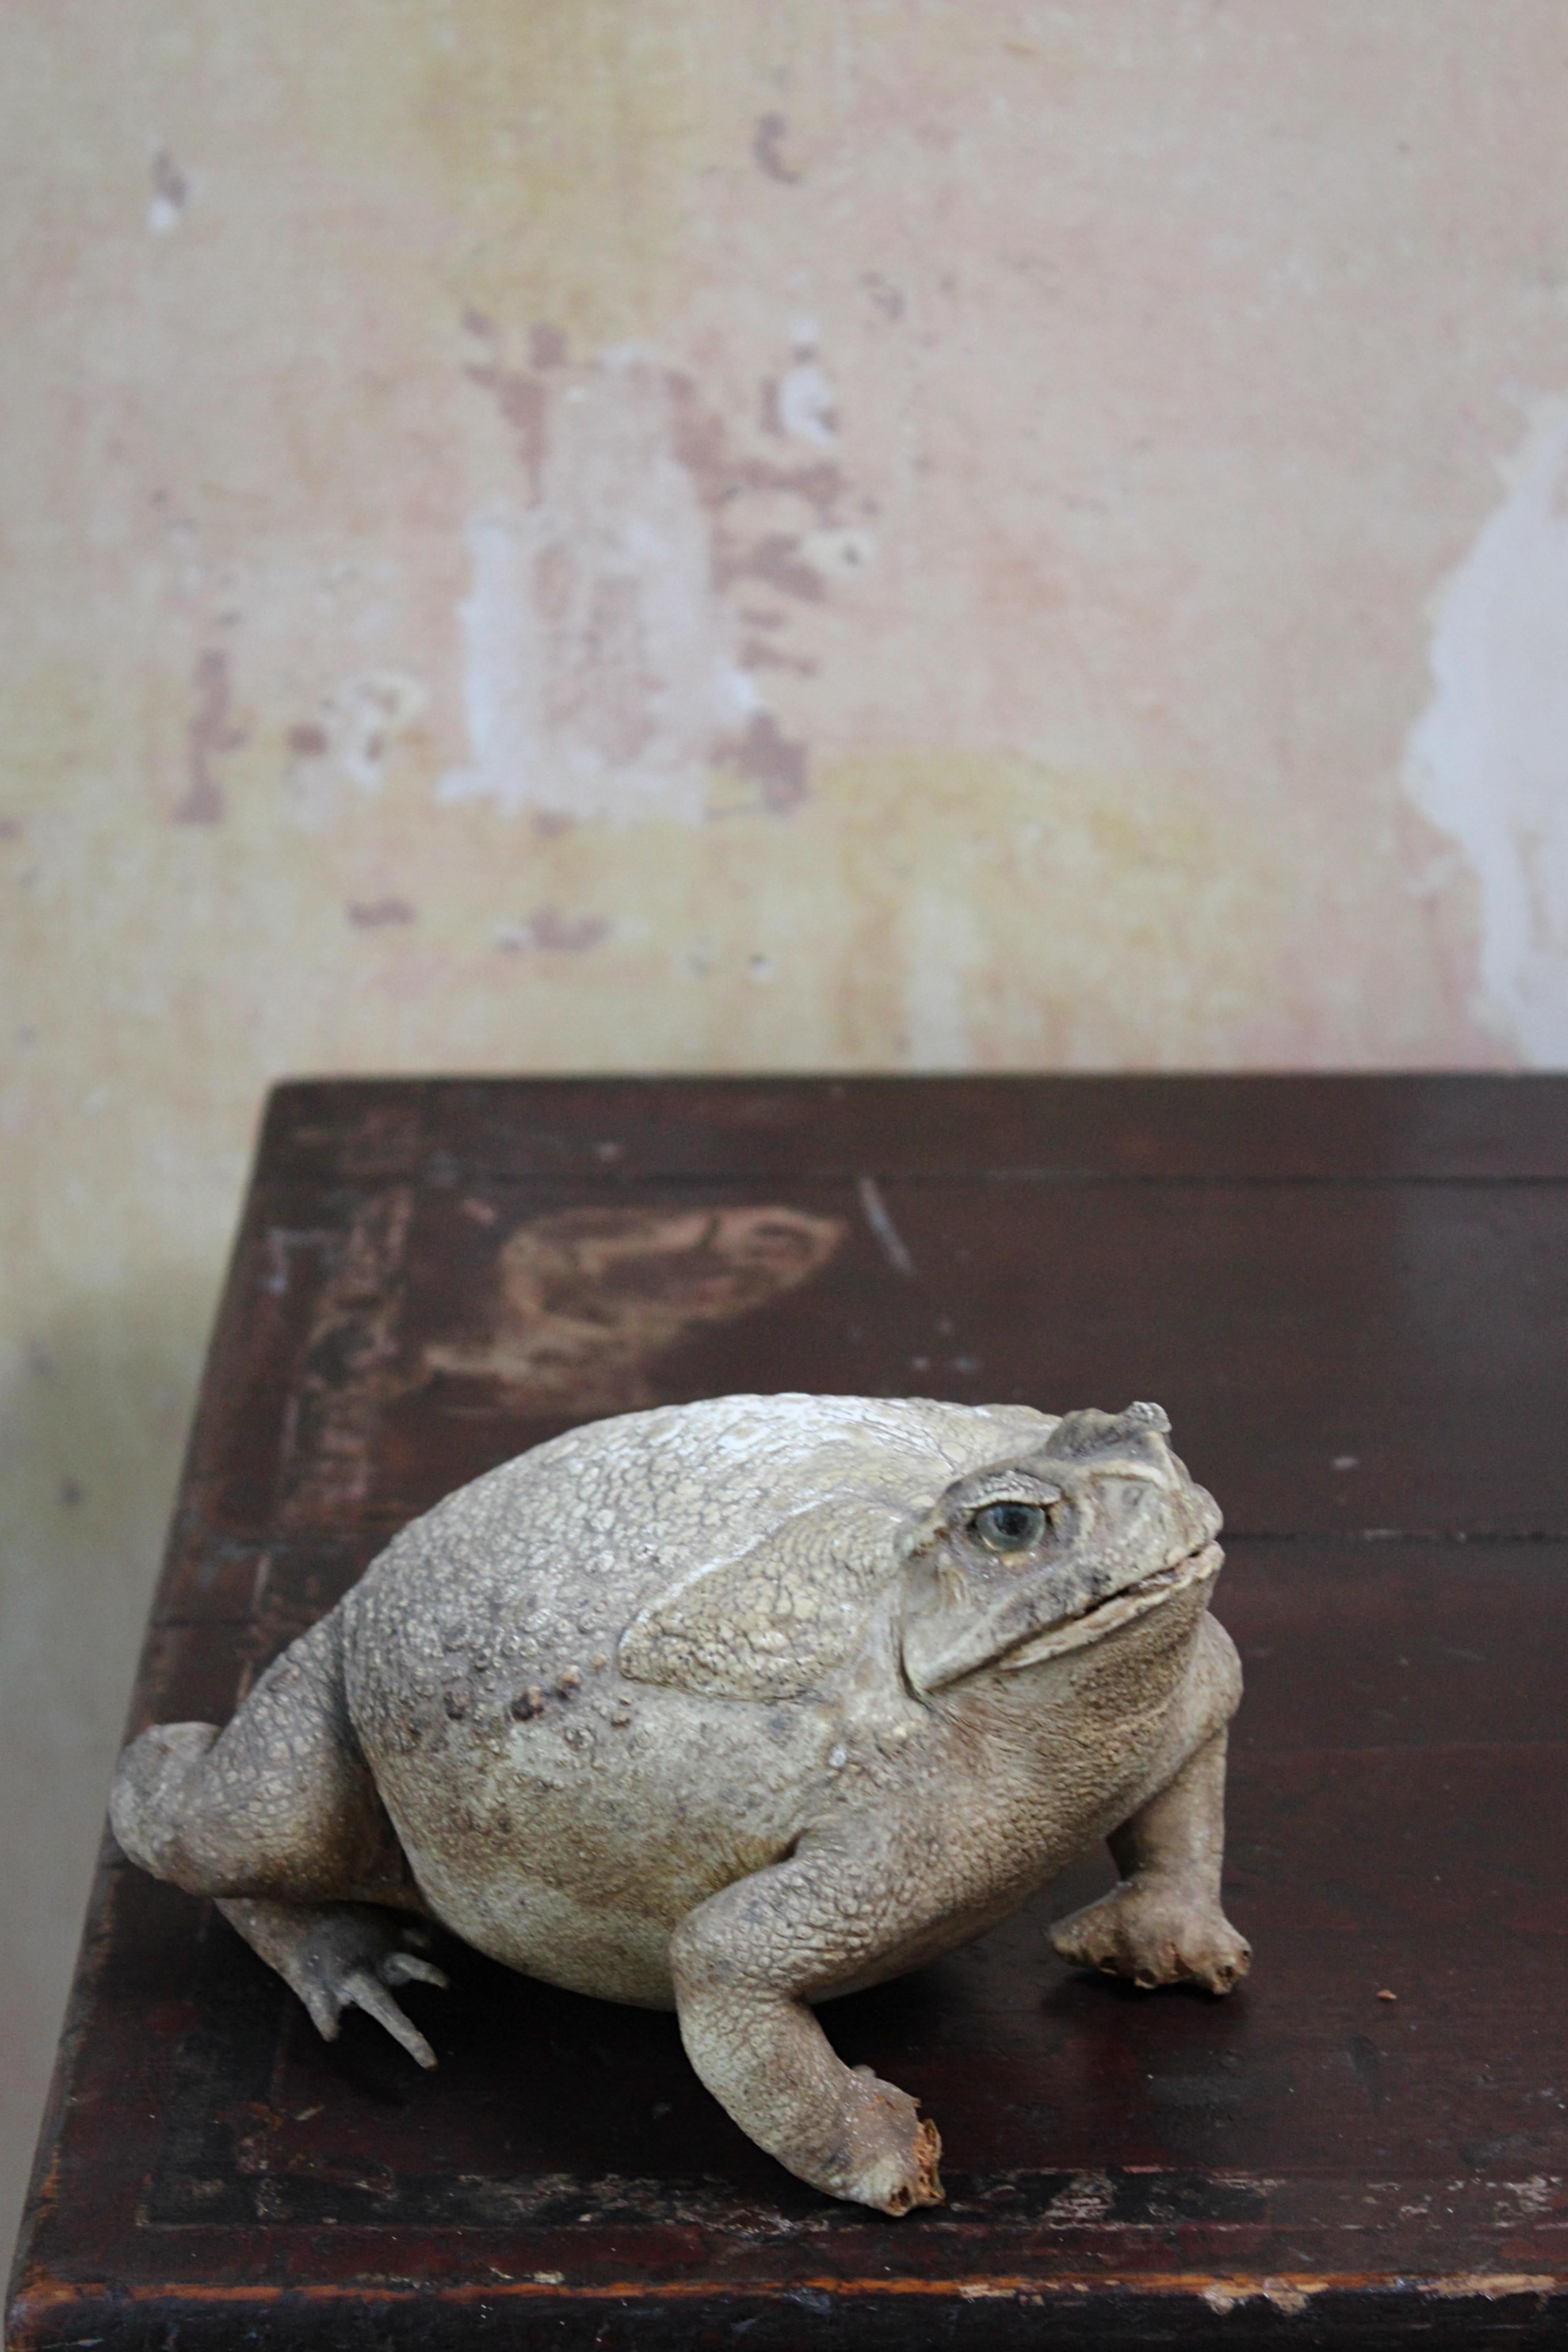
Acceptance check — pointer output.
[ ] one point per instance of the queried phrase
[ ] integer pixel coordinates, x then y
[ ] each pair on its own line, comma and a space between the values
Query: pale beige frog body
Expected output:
732, 1706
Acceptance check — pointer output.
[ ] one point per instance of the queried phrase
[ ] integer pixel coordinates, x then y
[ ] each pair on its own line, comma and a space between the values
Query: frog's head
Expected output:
1054, 1549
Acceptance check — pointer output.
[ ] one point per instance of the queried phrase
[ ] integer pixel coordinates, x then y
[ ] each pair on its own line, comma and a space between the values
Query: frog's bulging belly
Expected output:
546, 1931
575, 1862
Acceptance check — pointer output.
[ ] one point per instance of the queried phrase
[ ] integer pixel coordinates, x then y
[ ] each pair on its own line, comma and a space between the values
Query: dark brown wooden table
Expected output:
1352, 1296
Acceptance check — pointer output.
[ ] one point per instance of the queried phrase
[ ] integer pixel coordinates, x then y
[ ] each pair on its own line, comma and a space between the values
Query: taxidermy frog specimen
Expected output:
728, 1707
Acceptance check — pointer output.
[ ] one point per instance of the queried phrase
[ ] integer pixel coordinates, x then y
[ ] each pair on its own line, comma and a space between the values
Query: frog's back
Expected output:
540, 1565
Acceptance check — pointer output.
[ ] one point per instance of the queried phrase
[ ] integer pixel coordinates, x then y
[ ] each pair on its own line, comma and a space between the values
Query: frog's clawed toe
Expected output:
1158, 1932
896, 2153
361, 1990
348, 1960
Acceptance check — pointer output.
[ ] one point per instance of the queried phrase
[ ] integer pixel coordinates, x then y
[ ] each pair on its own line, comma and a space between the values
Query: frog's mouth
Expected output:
1117, 1609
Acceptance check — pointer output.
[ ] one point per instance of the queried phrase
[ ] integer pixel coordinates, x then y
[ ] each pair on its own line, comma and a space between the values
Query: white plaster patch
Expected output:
353, 733
1487, 762
839, 554
805, 403
599, 661
375, 710
806, 408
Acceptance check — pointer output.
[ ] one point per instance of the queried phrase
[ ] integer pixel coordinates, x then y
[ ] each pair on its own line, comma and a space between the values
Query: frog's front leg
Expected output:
1163, 1924
746, 1963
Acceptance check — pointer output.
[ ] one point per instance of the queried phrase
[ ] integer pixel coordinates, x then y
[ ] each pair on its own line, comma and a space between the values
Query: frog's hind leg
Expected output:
278, 1817
338, 1955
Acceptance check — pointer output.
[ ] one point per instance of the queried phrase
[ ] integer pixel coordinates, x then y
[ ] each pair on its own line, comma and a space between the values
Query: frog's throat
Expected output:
1103, 1617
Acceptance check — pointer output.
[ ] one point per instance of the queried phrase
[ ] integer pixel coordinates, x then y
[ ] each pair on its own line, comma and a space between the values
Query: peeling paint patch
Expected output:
776, 558
356, 729
587, 1298
839, 554
1489, 2286
373, 712
171, 193
609, 668
756, 653
209, 733
556, 933
805, 402
723, 477
519, 397
767, 148
598, 656
1487, 762
767, 758
1289, 2297
885, 297
374, 914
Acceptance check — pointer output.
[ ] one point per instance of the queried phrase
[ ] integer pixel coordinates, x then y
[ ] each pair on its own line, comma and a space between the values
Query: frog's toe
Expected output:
1158, 1931
896, 2154
401, 1967
347, 1956
361, 1990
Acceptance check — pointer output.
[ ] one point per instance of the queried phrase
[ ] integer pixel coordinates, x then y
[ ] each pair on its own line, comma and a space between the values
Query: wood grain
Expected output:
1353, 1296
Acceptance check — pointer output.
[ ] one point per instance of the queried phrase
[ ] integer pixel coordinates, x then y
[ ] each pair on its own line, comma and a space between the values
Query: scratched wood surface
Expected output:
1352, 1295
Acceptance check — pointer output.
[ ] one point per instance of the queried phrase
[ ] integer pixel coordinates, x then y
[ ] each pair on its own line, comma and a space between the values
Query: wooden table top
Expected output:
1352, 1297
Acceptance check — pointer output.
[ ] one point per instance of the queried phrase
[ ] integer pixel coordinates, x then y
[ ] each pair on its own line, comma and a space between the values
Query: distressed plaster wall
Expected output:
586, 535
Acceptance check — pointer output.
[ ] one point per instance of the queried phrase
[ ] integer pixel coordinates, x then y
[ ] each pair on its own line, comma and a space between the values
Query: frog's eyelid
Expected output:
1011, 1487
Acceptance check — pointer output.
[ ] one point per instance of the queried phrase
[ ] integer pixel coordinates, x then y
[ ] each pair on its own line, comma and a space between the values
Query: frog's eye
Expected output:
1009, 1526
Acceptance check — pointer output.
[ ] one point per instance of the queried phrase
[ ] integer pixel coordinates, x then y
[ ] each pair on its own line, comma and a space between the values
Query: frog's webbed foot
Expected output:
1163, 1924
339, 1956
1158, 1931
